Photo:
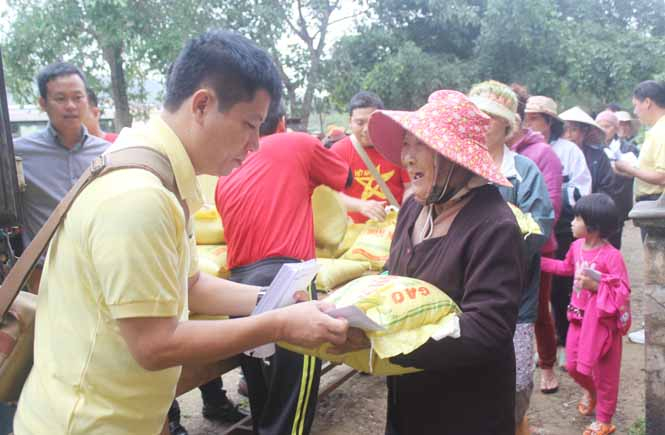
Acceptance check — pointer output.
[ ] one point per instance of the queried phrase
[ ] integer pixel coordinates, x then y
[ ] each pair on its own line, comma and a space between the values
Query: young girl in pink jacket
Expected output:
599, 310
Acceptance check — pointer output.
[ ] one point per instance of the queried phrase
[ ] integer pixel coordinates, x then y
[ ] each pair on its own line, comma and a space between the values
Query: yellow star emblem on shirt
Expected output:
370, 186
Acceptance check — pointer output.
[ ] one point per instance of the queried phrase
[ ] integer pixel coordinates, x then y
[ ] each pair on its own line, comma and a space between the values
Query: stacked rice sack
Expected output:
411, 311
346, 250
209, 231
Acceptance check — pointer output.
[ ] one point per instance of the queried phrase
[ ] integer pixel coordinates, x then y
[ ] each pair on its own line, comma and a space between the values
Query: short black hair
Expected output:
231, 64
92, 97
599, 213
363, 100
275, 114
651, 89
54, 71
557, 126
614, 107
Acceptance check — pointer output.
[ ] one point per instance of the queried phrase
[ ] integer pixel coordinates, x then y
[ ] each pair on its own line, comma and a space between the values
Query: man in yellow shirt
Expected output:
649, 102
121, 275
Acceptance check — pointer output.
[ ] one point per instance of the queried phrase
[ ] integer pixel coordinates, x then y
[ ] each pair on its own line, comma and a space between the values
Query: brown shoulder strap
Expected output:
145, 158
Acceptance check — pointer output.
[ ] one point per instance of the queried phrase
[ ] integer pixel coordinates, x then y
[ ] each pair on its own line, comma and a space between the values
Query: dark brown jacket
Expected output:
468, 386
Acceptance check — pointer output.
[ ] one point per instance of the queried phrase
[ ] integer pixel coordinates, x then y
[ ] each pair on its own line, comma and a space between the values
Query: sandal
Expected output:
598, 428
544, 385
586, 405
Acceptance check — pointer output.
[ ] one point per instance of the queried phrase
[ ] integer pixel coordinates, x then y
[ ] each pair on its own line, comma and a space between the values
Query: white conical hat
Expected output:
578, 115
624, 116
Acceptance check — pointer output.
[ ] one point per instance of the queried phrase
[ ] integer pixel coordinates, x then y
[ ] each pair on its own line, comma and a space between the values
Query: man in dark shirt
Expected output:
54, 158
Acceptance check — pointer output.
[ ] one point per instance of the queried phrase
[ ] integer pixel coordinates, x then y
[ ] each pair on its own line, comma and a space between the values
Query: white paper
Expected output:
612, 154
356, 318
629, 158
292, 277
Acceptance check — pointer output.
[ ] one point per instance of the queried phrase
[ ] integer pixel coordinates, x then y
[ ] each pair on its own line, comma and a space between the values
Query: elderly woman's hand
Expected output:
355, 340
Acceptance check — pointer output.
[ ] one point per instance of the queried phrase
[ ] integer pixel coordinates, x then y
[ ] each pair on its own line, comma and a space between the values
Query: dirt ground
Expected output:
359, 405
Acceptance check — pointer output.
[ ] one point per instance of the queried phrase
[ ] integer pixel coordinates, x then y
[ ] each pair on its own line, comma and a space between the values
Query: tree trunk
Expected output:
293, 100
9, 200
113, 56
312, 82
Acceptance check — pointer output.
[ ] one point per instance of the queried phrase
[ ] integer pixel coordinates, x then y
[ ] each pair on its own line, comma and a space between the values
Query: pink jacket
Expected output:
602, 313
533, 146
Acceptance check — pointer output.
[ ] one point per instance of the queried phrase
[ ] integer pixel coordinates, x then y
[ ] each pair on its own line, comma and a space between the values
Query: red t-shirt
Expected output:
266, 205
364, 186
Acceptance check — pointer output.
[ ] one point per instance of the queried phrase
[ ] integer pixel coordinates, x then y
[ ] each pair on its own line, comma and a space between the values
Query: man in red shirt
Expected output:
267, 214
92, 117
364, 198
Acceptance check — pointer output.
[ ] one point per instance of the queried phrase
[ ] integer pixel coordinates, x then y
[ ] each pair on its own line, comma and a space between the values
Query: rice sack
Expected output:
373, 242
329, 218
410, 310
208, 228
336, 271
212, 260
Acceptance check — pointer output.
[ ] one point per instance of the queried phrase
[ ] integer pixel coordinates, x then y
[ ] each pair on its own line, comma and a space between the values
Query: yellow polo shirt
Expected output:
123, 251
652, 157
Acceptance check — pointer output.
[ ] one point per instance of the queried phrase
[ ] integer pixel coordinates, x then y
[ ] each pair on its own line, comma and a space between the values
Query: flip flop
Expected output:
586, 408
597, 428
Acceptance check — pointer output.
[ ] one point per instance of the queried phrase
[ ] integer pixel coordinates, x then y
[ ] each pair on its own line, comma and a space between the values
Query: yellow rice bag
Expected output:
526, 222
373, 242
329, 218
208, 228
212, 260
353, 230
335, 272
410, 310
208, 184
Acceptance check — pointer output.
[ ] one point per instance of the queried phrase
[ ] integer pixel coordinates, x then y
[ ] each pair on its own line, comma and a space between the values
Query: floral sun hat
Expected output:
497, 99
449, 123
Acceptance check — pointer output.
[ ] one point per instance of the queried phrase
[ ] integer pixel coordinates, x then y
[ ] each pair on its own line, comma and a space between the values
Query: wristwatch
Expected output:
261, 294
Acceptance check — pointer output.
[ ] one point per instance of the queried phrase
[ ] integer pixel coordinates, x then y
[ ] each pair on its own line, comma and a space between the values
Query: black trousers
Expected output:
562, 289
284, 388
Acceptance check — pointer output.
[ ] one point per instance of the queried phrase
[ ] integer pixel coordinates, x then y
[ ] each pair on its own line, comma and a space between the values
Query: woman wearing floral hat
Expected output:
456, 232
530, 194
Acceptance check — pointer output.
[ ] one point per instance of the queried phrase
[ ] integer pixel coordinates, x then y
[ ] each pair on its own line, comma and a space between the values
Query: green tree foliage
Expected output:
128, 40
123, 40
578, 51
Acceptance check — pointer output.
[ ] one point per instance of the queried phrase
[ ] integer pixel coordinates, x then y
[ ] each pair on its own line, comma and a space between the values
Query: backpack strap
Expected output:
144, 158
375, 172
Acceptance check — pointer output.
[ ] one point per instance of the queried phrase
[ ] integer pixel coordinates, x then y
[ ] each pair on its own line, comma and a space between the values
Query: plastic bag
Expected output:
526, 222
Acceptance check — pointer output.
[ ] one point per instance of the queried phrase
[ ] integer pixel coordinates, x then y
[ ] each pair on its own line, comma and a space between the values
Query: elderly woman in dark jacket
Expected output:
456, 232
